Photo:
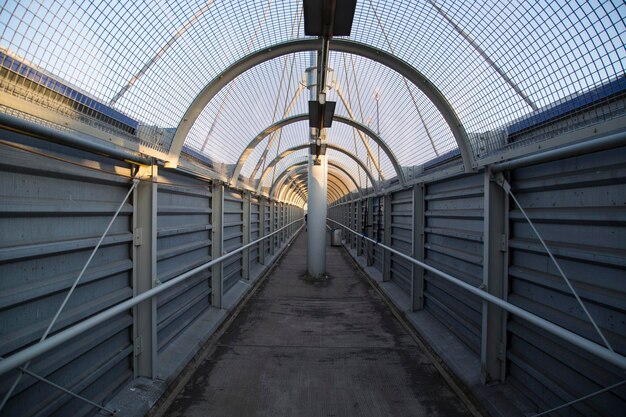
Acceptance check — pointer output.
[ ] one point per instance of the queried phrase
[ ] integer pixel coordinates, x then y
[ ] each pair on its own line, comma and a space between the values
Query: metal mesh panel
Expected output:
514, 72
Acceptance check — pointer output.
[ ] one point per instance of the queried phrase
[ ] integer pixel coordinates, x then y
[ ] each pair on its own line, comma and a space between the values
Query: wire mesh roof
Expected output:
503, 66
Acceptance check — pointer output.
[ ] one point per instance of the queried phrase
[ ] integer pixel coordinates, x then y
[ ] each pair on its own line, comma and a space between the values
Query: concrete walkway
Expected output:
309, 349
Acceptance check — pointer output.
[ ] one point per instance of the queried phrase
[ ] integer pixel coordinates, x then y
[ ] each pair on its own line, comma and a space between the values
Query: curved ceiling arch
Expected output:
299, 171
295, 171
234, 179
333, 165
339, 45
305, 146
293, 192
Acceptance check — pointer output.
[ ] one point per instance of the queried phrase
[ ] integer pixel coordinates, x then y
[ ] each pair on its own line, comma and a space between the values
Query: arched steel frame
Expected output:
339, 45
234, 178
306, 146
297, 169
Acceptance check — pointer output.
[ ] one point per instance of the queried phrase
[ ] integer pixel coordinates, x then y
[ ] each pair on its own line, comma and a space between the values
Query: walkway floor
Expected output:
301, 348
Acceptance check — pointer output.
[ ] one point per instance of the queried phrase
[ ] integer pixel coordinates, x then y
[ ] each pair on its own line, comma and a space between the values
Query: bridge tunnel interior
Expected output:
156, 161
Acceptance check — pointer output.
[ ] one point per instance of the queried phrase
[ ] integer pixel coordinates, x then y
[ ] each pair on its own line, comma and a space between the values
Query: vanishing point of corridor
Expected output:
304, 348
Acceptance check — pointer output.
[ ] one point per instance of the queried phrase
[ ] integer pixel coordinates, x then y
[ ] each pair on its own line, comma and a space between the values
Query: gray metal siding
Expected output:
402, 237
255, 232
183, 243
378, 229
366, 230
233, 236
578, 206
267, 224
453, 243
51, 216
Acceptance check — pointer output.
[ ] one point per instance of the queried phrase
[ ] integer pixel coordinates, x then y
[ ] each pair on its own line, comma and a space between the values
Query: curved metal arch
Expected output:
335, 165
293, 188
340, 45
291, 193
234, 178
289, 151
277, 192
299, 172
295, 171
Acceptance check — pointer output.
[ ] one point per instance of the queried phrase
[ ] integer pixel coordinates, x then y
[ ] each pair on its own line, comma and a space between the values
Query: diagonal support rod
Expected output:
65, 390
339, 91
593, 394
71, 291
507, 188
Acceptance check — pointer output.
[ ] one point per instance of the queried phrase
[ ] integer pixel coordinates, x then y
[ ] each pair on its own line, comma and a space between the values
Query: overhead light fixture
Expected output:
321, 115
328, 17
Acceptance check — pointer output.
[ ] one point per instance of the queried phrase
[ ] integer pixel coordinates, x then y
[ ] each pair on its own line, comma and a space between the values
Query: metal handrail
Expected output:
552, 328
37, 349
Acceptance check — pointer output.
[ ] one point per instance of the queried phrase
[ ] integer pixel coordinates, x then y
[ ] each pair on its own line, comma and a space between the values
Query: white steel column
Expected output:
316, 217
317, 206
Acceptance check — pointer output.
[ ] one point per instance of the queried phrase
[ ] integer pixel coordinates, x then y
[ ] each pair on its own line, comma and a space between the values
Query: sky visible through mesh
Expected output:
495, 62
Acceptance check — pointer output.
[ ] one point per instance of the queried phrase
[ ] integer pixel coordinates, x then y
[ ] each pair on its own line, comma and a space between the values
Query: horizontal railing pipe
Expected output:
552, 328
593, 145
75, 140
53, 341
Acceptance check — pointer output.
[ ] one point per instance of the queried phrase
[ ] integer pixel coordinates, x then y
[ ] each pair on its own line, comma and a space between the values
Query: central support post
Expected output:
317, 184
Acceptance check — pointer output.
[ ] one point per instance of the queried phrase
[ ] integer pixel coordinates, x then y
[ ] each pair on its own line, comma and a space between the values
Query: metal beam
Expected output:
361, 128
495, 273
347, 46
145, 272
386, 235
418, 249
217, 244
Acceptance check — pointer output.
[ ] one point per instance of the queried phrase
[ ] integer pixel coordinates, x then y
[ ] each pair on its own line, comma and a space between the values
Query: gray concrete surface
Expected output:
303, 348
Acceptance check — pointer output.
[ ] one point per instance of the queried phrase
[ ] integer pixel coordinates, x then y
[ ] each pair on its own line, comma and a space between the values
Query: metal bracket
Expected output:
138, 346
138, 236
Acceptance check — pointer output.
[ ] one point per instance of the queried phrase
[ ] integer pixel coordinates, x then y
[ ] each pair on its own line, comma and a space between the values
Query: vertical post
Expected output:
317, 186
144, 272
217, 244
387, 236
272, 239
495, 265
417, 272
245, 255
263, 243
369, 224
359, 228
316, 248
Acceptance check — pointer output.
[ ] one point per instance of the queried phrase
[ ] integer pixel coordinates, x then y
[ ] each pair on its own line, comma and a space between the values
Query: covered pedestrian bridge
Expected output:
467, 159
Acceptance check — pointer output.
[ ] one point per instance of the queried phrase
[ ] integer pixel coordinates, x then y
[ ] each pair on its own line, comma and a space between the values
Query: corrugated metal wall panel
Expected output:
366, 229
578, 206
402, 237
453, 243
183, 243
255, 232
233, 236
52, 214
378, 229
276, 221
267, 224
